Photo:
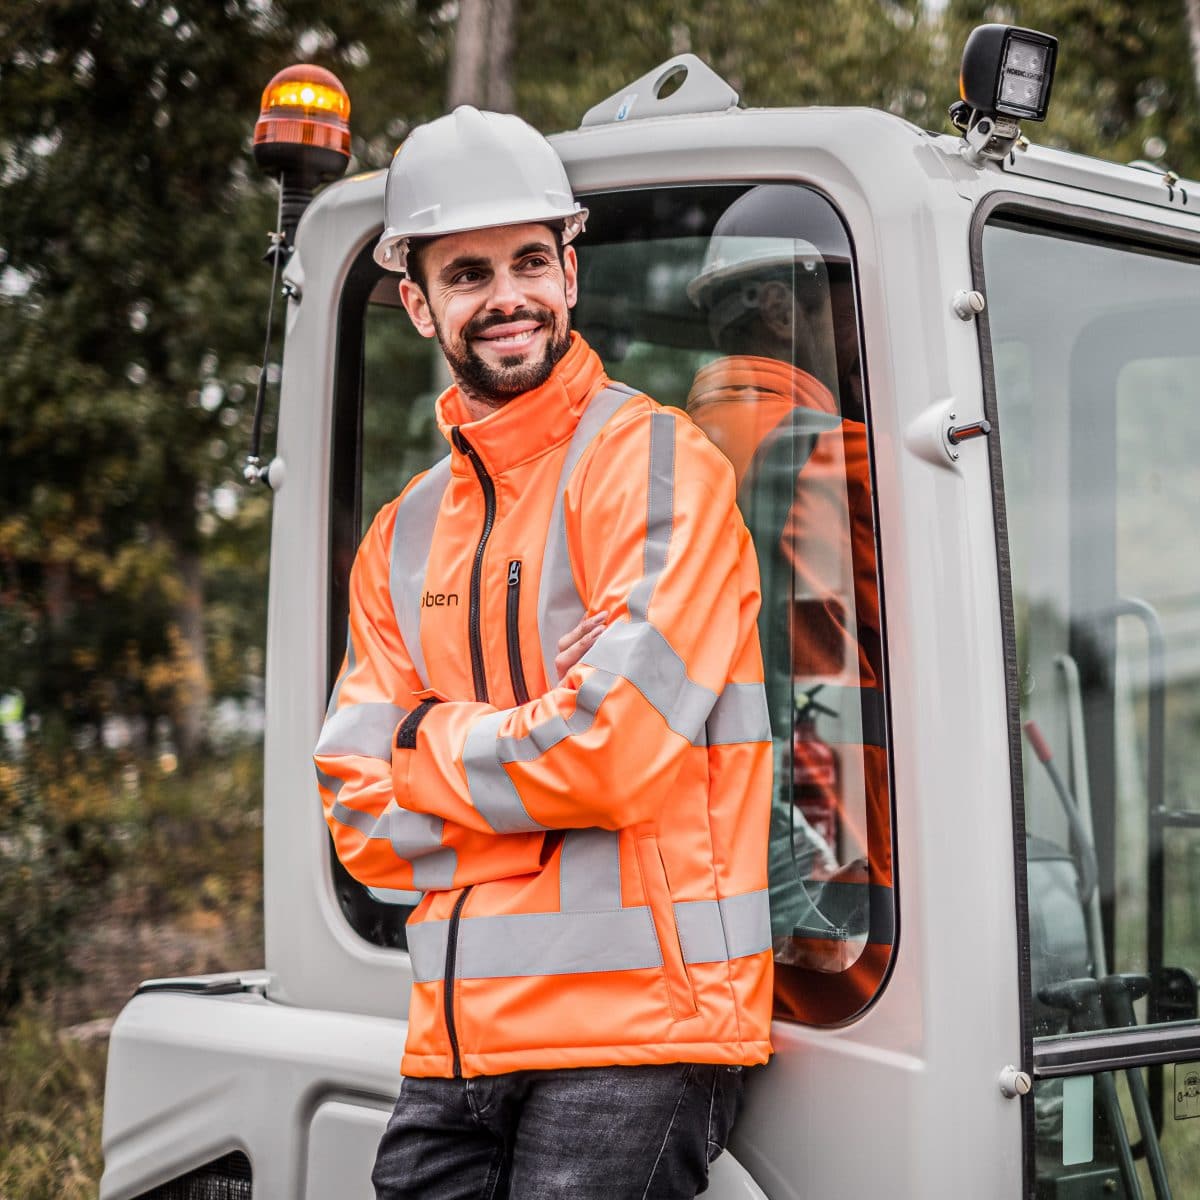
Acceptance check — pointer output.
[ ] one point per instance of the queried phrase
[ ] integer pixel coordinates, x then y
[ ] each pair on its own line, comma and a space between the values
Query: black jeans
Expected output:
593, 1133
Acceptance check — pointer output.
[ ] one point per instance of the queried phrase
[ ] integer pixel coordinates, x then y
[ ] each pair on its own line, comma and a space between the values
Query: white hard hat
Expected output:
473, 170
733, 257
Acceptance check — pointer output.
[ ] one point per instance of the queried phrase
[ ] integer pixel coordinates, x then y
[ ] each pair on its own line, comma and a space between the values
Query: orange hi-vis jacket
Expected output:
592, 849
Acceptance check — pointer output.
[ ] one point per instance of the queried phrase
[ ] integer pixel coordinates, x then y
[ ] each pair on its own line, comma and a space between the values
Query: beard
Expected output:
497, 385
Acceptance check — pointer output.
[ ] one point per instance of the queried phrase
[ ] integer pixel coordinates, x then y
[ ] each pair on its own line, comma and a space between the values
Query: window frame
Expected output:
844, 1002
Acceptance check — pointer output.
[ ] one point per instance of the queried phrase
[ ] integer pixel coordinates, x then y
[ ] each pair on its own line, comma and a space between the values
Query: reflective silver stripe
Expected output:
493, 793
660, 512
427, 950
435, 872
739, 715
549, 733
364, 729
414, 837
589, 871
536, 944
718, 930
636, 651
569, 943
329, 782
560, 607
348, 669
412, 536
395, 896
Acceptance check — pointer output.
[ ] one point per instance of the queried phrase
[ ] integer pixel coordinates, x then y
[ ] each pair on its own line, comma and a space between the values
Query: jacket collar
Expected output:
740, 400
747, 377
531, 423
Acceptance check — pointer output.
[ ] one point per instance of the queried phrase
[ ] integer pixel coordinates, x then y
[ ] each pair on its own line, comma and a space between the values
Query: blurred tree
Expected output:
130, 315
130, 215
1192, 7
774, 52
1124, 87
481, 60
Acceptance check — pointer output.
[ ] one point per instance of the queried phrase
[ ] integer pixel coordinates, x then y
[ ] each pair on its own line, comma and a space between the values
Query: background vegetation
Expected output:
132, 561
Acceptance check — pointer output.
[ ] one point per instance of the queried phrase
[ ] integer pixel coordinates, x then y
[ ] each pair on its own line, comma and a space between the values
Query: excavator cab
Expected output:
956, 381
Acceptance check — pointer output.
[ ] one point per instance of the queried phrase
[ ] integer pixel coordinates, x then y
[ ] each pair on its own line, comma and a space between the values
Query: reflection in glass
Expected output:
742, 308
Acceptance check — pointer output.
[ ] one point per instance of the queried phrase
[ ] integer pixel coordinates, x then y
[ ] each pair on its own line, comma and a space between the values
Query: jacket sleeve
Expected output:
380, 839
656, 539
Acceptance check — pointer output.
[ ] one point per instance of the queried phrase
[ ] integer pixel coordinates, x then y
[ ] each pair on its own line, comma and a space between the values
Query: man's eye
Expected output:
536, 263
468, 277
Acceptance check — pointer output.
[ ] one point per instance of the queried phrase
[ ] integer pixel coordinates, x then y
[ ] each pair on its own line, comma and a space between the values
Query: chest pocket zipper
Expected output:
512, 620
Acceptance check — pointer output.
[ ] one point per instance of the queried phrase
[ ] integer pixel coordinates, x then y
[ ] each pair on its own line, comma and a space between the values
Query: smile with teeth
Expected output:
511, 339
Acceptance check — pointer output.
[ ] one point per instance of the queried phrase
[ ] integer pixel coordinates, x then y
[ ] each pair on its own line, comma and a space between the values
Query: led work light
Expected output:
1008, 71
1005, 77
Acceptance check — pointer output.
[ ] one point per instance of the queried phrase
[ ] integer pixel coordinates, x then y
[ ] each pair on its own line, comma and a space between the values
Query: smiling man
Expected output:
567, 749
495, 352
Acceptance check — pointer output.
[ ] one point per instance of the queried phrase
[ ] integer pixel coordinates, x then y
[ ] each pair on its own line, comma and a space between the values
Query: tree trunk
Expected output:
1192, 9
468, 65
190, 705
501, 41
481, 62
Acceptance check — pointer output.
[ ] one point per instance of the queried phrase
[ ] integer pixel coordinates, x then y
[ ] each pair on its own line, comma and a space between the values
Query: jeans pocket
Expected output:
680, 993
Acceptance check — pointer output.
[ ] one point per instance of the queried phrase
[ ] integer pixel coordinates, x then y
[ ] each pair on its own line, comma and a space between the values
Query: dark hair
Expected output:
415, 270
412, 266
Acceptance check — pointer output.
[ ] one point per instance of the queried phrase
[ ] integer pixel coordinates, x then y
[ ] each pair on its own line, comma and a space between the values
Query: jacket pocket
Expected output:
680, 993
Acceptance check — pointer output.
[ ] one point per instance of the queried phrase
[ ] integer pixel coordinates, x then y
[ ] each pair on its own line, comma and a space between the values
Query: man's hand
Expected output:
574, 645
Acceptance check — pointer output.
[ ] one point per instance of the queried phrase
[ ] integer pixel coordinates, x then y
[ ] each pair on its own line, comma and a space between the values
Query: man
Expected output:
551, 720
776, 312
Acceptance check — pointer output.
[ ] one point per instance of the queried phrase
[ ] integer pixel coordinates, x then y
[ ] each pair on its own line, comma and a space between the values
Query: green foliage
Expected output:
194, 839
774, 52
80, 831
56, 854
131, 308
51, 1098
132, 220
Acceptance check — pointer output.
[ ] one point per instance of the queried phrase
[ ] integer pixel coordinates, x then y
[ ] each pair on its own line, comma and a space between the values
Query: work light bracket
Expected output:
1006, 76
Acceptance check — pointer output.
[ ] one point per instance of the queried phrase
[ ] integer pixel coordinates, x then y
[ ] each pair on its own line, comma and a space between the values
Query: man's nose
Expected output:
505, 295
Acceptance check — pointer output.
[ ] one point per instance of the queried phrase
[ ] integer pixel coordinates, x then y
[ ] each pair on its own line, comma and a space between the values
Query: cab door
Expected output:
1091, 348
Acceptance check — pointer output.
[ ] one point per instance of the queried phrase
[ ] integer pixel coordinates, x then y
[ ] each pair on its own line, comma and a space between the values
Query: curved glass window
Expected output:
737, 304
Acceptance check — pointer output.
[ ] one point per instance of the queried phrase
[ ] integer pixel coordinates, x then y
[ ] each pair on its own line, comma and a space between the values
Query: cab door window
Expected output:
738, 304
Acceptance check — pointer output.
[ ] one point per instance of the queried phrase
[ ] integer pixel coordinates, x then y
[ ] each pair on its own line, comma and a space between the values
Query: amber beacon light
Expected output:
302, 136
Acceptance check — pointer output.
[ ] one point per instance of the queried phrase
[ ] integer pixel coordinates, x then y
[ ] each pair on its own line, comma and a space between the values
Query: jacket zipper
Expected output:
448, 986
489, 519
515, 668
479, 677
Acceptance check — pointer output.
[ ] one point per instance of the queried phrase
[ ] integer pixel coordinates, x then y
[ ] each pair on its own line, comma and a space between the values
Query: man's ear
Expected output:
571, 275
417, 307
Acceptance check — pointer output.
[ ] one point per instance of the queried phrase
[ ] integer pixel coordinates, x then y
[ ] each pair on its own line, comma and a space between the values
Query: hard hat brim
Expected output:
391, 251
